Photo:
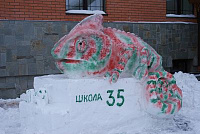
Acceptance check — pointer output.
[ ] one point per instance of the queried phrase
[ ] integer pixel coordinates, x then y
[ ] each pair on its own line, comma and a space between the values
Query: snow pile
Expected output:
9, 117
187, 121
191, 89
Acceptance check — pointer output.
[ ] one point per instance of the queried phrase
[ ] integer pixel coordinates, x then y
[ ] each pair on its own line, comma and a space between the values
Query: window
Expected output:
85, 6
179, 7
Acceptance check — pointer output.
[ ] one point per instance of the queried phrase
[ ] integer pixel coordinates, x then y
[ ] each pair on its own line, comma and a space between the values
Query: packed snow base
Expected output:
187, 121
58, 105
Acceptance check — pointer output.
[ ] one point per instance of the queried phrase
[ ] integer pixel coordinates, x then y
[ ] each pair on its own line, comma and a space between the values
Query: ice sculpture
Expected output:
92, 50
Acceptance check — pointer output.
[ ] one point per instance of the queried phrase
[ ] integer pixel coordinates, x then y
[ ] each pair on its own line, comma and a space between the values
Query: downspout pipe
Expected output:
198, 21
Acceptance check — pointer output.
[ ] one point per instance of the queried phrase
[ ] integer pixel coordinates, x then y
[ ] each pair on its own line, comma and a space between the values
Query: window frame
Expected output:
179, 11
85, 9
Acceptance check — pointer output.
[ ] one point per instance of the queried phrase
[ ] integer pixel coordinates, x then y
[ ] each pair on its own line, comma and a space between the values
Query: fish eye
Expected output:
81, 46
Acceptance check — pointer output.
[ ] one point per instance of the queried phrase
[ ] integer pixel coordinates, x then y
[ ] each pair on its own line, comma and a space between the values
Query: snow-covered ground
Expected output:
187, 121
9, 117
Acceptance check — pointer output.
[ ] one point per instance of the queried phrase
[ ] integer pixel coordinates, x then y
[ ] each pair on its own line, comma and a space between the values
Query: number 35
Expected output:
112, 98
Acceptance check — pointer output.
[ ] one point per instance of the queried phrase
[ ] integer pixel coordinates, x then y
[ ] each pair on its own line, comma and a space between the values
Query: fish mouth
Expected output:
69, 61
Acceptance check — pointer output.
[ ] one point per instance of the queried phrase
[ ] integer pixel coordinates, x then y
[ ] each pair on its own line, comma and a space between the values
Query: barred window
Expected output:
179, 7
91, 5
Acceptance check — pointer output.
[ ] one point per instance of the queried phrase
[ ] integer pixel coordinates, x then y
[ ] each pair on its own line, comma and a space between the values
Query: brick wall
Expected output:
117, 10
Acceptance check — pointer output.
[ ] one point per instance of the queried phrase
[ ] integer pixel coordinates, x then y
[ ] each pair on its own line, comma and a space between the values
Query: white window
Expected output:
85, 6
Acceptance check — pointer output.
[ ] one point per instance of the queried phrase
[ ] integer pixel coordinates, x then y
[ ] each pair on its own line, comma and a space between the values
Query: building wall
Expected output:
117, 10
25, 48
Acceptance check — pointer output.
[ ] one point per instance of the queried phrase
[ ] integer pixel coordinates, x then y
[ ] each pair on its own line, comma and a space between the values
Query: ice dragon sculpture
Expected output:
91, 49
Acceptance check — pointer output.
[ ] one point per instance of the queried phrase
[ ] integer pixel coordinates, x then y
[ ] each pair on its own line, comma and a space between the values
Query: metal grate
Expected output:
179, 7
85, 5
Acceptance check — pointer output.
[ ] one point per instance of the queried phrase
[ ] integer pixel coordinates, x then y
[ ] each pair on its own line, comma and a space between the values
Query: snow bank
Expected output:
5, 104
187, 121
9, 116
191, 89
